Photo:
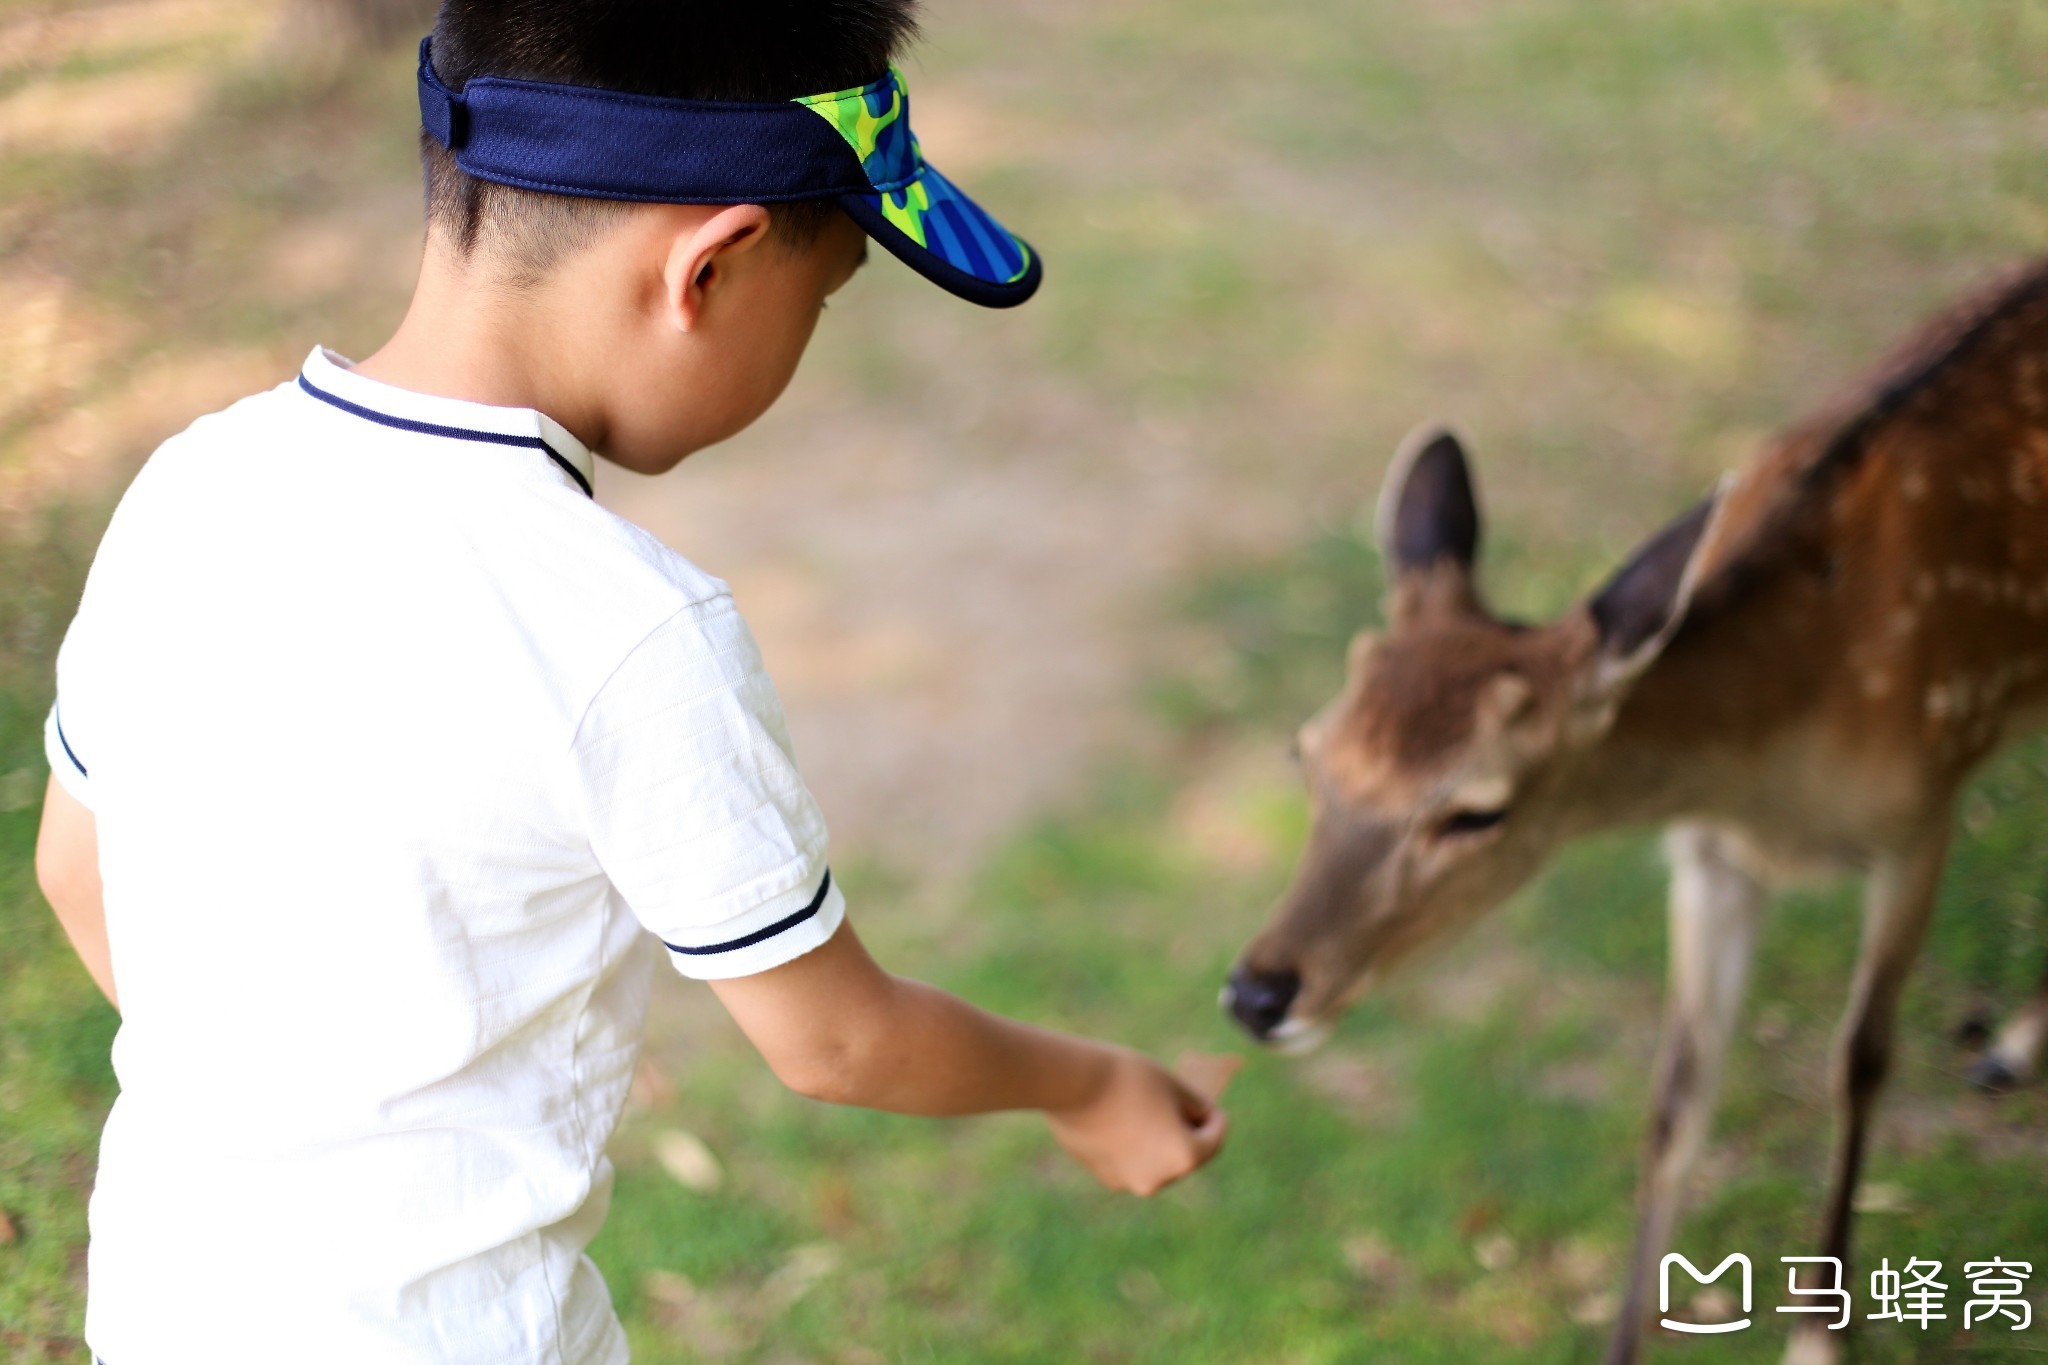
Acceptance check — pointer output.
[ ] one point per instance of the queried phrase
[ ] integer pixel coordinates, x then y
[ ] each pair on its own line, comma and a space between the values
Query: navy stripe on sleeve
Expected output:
72, 754
760, 935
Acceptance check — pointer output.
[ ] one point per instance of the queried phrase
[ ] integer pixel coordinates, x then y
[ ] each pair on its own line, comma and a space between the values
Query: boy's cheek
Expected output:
665, 412
767, 362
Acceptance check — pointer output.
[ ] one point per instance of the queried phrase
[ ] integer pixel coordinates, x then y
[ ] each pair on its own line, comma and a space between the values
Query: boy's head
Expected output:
683, 183
758, 50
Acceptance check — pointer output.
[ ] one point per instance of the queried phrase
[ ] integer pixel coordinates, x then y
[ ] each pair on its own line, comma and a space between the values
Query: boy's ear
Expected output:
699, 256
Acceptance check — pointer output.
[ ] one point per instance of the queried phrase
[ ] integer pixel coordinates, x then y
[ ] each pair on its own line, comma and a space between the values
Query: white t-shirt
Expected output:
404, 754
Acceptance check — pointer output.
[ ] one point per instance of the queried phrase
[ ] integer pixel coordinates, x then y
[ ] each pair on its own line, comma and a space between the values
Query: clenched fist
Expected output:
1140, 1129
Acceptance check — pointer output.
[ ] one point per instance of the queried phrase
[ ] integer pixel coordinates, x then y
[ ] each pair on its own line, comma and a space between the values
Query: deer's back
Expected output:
1877, 582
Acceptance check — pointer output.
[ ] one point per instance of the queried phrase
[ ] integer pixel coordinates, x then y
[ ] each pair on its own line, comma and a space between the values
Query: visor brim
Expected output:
965, 252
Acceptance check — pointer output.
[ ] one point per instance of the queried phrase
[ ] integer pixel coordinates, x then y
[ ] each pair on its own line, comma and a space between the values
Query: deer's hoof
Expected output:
1993, 1075
1975, 1030
1814, 1348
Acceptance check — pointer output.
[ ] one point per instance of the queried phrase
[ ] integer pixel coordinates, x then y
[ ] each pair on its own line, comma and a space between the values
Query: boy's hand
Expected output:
1141, 1129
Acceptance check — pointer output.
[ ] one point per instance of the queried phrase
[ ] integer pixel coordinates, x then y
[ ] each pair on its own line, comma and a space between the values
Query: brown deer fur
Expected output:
1796, 677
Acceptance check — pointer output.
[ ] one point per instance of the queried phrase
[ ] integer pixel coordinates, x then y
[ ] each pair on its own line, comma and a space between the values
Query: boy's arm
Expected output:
833, 1025
68, 868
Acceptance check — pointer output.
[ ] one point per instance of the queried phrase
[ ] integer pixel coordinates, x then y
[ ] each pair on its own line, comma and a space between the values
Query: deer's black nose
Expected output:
1258, 999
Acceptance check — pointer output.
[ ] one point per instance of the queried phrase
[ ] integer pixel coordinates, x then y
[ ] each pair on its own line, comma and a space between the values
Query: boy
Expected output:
379, 748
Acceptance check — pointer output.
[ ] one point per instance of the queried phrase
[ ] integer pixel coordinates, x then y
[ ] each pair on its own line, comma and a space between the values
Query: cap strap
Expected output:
440, 107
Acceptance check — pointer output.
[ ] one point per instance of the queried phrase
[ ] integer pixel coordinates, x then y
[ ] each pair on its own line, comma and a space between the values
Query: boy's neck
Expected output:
467, 335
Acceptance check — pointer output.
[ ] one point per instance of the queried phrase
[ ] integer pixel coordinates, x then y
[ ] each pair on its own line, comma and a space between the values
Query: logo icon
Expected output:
1701, 1328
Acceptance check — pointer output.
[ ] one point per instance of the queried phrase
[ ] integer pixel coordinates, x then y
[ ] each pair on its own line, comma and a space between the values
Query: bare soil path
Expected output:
959, 625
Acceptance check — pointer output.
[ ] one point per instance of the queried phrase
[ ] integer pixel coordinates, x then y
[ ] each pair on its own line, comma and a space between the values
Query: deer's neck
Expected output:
1889, 625
1722, 726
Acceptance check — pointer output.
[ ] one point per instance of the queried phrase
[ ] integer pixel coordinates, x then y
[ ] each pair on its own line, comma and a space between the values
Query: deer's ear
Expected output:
1645, 601
1427, 513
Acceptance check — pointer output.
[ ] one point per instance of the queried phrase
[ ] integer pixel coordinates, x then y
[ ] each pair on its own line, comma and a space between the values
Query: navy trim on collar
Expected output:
458, 433
760, 935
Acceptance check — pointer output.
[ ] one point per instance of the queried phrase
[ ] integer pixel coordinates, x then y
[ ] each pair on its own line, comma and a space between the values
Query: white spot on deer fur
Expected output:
1876, 682
1923, 586
1975, 706
1913, 485
1902, 621
1964, 579
2026, 485
2030, 381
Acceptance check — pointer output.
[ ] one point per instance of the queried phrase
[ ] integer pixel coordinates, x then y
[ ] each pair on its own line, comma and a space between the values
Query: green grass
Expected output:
55, 1078
1361, 1185
1615, 241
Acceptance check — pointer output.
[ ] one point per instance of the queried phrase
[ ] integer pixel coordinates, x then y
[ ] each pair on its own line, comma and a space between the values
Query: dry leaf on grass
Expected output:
1371, 1258
668, 1289
1495, 1250
1597, 1309
694, 1317
798, 1275
1883, 1197
1478, 1218
683, 1155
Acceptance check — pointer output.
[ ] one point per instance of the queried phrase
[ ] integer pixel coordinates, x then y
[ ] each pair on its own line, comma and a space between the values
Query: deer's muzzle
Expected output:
1259, 1000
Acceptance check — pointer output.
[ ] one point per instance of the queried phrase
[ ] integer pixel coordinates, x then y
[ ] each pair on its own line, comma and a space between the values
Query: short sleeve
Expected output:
693, 802
68, 755
65, 764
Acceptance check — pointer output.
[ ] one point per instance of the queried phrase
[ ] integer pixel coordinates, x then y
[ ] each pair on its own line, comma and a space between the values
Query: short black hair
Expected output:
680, 49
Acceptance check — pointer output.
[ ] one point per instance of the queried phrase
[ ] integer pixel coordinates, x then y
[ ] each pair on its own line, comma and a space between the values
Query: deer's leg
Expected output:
1716, 906
2015, 1055
1898, 902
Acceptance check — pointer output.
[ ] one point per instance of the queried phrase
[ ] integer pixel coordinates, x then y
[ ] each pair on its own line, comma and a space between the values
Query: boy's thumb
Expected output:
1207, 1074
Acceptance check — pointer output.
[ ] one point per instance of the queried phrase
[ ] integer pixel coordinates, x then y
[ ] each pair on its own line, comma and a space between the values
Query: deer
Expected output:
1794, 678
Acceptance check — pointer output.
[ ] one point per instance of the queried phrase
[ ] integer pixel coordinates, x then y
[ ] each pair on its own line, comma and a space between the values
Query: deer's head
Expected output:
1447, 770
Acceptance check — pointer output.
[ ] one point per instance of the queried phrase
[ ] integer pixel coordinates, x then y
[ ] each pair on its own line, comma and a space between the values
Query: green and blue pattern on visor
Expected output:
853, 147
915, 211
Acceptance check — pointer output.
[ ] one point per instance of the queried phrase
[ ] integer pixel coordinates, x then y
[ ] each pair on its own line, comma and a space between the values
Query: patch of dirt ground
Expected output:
958, 639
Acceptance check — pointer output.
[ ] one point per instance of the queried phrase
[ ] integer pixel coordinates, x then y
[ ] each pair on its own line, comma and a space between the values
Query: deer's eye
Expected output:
1470, 822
